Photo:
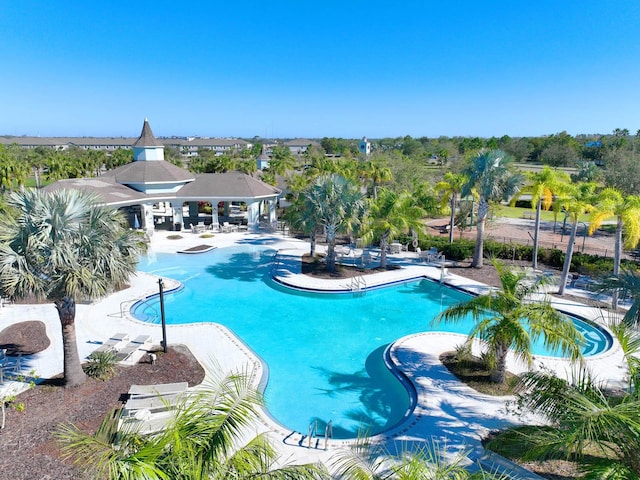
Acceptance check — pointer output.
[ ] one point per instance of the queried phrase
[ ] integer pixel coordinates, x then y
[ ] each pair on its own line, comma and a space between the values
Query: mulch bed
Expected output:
29, 449
315, 267
24, 338
198, 249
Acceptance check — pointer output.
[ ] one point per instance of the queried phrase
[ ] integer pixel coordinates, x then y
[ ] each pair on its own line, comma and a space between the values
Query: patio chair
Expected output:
155, 403
140, 391
113, 343
132, 347
582, 282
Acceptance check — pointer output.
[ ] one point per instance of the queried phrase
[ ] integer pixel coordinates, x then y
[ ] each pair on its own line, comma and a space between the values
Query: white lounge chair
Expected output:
156, 403
139, 391
113, 343
132, 347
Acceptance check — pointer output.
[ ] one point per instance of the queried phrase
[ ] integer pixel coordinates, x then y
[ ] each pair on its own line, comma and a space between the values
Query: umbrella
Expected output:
136, 222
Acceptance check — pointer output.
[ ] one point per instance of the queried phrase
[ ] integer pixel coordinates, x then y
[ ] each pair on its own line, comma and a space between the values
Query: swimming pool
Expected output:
324, 351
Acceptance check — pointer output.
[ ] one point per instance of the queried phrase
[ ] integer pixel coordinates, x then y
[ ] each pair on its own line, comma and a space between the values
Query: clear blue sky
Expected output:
305, 68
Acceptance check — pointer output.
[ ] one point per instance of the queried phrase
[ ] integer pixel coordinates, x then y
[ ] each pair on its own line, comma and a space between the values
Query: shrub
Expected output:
551, 256
507, 251
101, 365
174, 237
458, 250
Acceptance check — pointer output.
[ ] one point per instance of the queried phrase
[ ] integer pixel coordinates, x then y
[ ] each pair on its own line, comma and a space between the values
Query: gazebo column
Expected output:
253, 215
215, 220
193, 211
272, 210
177, 214
147, 218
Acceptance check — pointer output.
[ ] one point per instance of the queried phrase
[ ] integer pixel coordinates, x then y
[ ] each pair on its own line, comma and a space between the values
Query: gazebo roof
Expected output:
146, 138
159, 171
228, 185
105, 188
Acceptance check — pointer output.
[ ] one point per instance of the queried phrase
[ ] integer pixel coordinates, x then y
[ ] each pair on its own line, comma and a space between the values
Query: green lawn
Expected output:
517, 212
545, 216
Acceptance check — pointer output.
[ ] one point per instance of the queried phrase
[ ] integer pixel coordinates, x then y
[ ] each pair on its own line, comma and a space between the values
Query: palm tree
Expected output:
542, 188
282, 160
335, 204
375, 172
507, 319
300, 218
206, 440
246, 166
585, 422
490, 177
451, 187
62, 245
628, 284
575, 200
429, 461
610, 202
390, 215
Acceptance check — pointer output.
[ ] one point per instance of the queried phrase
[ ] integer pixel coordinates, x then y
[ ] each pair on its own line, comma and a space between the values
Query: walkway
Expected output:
446, 409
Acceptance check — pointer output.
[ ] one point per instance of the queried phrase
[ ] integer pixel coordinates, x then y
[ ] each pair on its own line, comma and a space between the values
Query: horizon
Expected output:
311, 70
232, 137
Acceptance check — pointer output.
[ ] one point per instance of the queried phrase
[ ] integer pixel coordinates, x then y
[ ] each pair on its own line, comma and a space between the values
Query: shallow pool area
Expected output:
324, 352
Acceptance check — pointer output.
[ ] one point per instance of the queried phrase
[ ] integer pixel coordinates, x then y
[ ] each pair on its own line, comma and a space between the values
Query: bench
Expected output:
528, 215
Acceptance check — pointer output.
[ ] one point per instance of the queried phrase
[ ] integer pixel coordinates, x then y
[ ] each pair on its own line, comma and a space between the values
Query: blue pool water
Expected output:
324, 351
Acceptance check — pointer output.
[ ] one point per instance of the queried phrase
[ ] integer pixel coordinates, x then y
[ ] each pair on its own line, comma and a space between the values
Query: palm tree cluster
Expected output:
205, 440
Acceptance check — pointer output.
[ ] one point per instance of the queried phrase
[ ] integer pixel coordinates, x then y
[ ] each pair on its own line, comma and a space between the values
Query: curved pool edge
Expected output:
412, 417
287, 273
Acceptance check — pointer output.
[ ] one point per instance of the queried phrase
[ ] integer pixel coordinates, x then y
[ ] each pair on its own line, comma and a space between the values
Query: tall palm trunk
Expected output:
331, 248
616, 261
384, 245
454, 198
499, 370
483, 210
536, 235
567, 258
73, 373
312, 241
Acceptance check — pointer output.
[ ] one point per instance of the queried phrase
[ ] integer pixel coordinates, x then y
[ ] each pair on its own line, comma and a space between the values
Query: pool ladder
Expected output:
358, 285
313, 432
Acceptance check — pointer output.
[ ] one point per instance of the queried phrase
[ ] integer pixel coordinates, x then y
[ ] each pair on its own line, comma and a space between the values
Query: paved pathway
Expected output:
446, 409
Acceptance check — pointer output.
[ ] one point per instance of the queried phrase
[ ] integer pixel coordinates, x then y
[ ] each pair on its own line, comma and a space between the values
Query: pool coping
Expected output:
292, 442
288, 274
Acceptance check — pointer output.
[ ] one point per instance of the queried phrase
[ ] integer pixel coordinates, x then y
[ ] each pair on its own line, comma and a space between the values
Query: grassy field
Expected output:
546, 216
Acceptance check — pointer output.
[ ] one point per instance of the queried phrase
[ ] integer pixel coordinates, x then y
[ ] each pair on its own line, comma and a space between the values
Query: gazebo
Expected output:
158, 194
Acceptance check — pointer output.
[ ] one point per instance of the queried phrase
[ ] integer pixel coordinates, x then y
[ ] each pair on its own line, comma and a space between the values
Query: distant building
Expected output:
263, 159
364, 146
188, 147
300, 145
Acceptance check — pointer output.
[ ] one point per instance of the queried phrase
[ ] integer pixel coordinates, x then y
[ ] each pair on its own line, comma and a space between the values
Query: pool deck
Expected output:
445, 409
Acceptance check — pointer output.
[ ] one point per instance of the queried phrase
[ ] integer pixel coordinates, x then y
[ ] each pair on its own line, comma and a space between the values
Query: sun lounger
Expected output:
112, 344
132, 347
152, 404
139, 391
145, 422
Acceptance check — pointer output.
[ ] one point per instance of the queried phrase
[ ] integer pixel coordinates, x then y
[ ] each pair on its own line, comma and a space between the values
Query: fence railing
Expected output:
579, 245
